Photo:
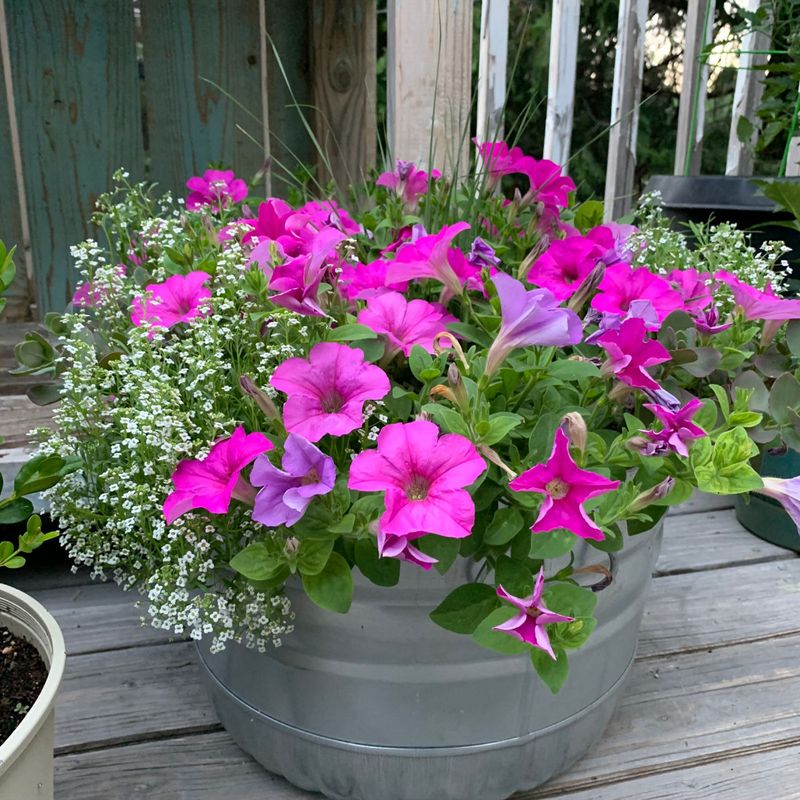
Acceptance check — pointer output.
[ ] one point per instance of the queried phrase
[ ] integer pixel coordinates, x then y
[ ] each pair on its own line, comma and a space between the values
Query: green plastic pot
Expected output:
764, 516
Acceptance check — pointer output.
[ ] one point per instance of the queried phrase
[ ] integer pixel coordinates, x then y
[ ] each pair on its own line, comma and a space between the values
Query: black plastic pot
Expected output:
724, 198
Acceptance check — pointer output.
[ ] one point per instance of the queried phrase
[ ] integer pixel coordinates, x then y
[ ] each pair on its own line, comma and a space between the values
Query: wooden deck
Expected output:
711, 711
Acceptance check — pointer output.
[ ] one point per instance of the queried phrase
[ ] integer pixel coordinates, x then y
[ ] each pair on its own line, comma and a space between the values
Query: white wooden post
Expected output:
564, 27
492, 63
747, 97
793, 161
625, 98
691, 112
429, 81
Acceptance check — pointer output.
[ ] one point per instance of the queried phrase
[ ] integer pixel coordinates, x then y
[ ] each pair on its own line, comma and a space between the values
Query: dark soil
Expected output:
22, 675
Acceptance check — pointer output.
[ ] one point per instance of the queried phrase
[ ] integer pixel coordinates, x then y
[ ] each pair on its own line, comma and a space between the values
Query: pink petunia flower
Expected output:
286, 493
693, 287
677, 428
621, 285
88, 295
180, 298
405, 323
392, 546
433, 257
529, 624
408, 181
638, 309
328, 390
500, 160
211, 482
630, 350
613, 241
361, 281
218, 188
423, 475
563, 267
566, 488
529, 318
548, 185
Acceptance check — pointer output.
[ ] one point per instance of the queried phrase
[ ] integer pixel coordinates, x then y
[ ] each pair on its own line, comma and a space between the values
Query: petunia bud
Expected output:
574, 425
456, 383
262, 400
638, 444
529, 260
587, 287
492, 456
291, 548
653, 494
454, 344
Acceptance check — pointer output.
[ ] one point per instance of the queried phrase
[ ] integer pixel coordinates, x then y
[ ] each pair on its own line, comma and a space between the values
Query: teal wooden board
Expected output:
10, 218
76, 91
190, 122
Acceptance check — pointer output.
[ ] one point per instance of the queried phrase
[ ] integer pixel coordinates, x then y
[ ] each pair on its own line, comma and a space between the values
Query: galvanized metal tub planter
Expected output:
382, 703
26, 757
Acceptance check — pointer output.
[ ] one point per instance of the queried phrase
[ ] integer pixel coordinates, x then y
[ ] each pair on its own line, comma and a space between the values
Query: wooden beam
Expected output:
747, 97
344, 52
564, 27
492, 65
625, 99
429, 79
691, 112
793, 161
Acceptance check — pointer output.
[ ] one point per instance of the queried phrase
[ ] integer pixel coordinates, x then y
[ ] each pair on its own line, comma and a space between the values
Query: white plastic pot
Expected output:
26, 757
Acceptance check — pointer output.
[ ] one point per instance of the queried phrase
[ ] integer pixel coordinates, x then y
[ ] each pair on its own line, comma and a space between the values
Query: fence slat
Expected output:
492, 65
190, 122
76, 90
692, 109
747, 97
429, 77
344, 52
11, 223
625, 98
566, 18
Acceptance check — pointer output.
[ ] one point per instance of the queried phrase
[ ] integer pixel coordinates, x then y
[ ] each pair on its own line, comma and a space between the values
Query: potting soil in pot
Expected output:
22, 676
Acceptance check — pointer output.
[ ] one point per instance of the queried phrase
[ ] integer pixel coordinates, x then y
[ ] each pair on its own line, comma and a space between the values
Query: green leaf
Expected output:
500, 424
344, 525
723, 467
372, 349
785, 194
15, 563
504, 526
785, 394
381, 571
499, 641
588, 215
464, 608
744, 130
448, 419
566, 369
332, 588
570, 599
470, 333
418, 361
514, 576
552, 544
442, 548
6, 549
16, 511
313, 555
553, 672
44, 394
352, 332
259, 561
707, 416
40, 473
708, 359
793, 336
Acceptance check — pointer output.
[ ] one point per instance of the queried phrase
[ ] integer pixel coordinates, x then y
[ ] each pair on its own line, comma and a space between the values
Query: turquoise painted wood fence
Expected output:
100, 84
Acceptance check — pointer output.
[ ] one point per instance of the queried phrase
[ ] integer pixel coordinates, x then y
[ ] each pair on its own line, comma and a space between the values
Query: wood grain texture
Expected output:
701, 501
344, 49
429, 82
710, 540
625, 98
492, 66
11, 229
191, 123
76, 89
694, 87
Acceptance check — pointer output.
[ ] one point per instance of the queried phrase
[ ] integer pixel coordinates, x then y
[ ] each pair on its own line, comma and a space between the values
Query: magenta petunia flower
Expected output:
529, 318
621, 285
693, 287
296, 282
423, 475
405, 323
638, 309
327, 391
787, 492
613, 240
708, 321
393, 546
408, 181
630, 350
499, 160
757, 304
529, 624
433, 257
211, 482
180, 298
563, 267
677, 428
361, 281
218, 188
286, 493
548, 185
566, 488
88, 295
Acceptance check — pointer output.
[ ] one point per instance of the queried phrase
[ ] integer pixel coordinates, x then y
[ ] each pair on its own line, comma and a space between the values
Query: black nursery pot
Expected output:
726, 198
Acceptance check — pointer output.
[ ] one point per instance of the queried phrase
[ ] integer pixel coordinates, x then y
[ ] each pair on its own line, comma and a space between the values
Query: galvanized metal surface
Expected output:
382, 703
